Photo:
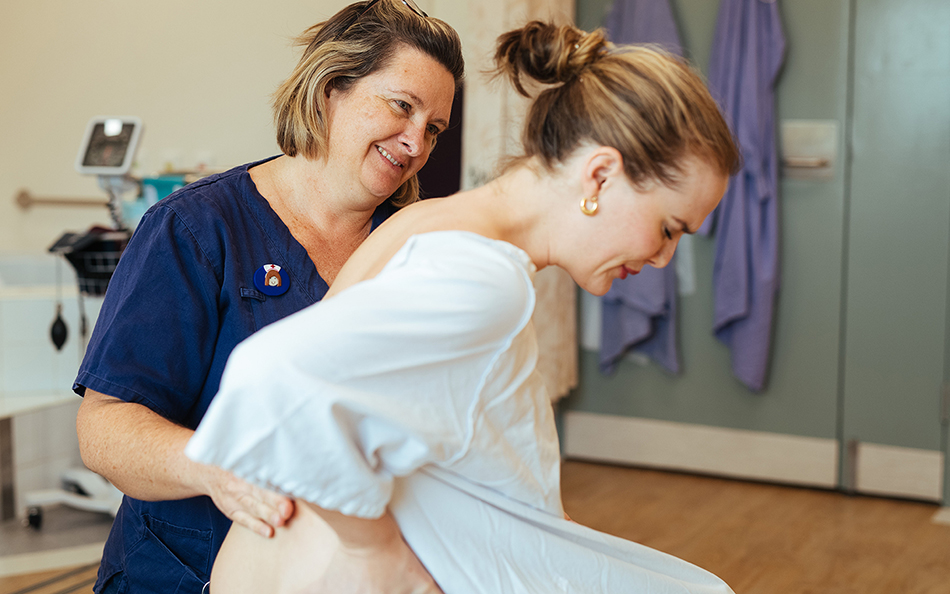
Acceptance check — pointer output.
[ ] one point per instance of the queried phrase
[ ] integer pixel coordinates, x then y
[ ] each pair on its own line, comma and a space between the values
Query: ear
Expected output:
601, 167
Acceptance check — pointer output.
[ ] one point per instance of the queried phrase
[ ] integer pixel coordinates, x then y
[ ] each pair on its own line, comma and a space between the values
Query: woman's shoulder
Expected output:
456, 227
450, 264
451, 279
434, 231
212, 211
213, 194
486, 281
461, 251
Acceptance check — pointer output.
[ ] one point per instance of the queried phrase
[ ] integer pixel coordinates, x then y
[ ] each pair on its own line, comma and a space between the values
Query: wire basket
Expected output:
94, 256
94, 270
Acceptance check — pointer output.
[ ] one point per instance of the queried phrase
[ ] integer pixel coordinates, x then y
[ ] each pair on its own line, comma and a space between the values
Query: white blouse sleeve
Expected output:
331, 403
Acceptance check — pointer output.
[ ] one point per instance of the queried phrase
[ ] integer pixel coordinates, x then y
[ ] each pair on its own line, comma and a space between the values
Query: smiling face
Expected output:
383, 128
638, 227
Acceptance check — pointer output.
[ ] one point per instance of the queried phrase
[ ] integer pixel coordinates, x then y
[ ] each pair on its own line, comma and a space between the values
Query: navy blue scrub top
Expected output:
182, 297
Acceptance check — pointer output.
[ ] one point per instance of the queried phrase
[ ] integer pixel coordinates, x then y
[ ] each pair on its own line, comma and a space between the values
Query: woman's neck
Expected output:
296, 187
327, 223
525, 203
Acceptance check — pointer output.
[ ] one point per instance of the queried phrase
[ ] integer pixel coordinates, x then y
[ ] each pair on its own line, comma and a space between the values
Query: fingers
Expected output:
270, 507
253, 524
279, 507
258, 510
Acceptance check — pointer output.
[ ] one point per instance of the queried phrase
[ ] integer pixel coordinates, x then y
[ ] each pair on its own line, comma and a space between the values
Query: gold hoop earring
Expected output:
589, 205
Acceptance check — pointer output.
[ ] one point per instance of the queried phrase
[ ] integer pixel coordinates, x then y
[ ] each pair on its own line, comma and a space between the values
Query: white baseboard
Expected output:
901, 472
734, 453
49, 560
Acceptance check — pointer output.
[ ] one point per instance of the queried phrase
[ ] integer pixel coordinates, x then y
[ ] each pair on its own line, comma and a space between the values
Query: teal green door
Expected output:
898, 232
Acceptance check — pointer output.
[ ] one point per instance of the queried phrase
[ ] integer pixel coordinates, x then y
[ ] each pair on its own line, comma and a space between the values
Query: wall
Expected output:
199, 74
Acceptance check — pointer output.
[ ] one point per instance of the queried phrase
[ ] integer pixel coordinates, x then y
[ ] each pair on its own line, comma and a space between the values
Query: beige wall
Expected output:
198, 74
493, 111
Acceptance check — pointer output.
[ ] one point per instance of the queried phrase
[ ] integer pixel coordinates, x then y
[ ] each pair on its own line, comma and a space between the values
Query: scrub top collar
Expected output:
294, 259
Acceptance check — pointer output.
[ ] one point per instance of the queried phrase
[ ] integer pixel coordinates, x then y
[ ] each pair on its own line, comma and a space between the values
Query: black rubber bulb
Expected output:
58, 332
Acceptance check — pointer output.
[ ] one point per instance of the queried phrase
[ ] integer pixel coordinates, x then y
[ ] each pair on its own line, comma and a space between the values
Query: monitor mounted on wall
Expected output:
109, 145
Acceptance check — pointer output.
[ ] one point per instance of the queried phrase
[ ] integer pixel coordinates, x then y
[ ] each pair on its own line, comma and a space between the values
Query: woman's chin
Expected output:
598, 290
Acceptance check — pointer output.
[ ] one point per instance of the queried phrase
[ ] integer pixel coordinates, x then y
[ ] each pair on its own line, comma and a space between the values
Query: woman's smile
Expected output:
389, 157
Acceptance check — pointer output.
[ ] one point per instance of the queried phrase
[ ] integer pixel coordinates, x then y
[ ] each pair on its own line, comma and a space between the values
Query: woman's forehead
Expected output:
419, 77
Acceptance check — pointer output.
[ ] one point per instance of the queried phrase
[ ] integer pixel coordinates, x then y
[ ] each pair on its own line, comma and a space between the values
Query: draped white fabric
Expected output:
418, 390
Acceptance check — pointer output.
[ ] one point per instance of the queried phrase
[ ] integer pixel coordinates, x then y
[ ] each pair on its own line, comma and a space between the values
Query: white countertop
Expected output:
16, 403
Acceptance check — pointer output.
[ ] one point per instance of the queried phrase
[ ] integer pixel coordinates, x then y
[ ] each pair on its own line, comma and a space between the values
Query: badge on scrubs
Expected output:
269, 280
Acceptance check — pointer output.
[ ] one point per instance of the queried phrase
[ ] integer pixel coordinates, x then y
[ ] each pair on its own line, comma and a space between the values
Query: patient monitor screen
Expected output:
109, 143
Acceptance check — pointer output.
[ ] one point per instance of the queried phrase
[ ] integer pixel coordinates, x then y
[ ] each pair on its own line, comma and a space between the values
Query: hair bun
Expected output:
547, 53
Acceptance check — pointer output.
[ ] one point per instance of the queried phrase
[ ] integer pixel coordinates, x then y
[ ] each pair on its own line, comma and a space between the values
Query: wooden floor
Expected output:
761, 539
765, 539
74, 580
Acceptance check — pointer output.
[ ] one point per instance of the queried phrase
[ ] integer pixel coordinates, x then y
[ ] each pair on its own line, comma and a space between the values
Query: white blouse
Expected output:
417, 390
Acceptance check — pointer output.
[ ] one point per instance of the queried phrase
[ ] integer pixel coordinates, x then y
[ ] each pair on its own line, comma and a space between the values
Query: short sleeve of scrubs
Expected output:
156, 334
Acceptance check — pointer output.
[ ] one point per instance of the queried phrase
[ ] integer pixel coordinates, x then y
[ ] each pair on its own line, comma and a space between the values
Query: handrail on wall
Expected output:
25, 200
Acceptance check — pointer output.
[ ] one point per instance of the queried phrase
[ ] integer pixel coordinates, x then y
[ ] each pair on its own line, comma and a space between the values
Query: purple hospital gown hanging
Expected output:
747, 55
639, 312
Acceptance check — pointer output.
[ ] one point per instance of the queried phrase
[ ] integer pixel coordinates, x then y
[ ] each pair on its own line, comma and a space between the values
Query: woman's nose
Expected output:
665, 254
413, 139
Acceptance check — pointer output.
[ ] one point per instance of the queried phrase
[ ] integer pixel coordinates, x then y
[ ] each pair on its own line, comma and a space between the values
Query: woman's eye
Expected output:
433, 130
403, 105
666, 231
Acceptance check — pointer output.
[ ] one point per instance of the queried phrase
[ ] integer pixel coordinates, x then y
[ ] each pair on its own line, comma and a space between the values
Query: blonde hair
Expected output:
648, 104
355, 42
